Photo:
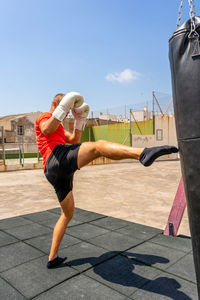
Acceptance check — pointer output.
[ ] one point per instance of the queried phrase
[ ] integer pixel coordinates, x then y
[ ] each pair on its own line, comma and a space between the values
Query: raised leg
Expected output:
90, 150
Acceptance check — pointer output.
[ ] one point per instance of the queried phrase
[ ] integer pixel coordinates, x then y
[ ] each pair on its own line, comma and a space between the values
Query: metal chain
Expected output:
192, 17
179, 14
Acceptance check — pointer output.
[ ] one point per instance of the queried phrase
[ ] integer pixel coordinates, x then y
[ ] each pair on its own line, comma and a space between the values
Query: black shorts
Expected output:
60, 168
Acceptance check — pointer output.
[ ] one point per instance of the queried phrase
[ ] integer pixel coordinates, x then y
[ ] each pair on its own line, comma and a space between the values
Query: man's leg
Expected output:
90, 150
67, 208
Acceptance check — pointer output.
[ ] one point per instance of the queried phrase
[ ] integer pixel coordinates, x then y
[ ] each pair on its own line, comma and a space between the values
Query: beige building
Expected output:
165, 134
19, 128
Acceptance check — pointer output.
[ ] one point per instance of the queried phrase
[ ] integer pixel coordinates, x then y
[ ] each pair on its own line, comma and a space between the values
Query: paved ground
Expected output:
127, 191
108, 258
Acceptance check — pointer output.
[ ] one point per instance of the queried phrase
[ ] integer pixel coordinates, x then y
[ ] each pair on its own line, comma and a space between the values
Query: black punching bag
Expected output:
184, 56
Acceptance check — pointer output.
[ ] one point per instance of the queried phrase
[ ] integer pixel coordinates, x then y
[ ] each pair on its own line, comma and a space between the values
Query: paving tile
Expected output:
166, 287
74, 222
16, 254
8, 292
110, 223
86, 231
56, 210
114, 241
184, 268
86, 216
80, 215
83, 256
81, 287
122, 274
41, 216
139, 231
155, 255
13, 222
6, 239
33, 278
28, 231
44, 242
179, 243
52, 222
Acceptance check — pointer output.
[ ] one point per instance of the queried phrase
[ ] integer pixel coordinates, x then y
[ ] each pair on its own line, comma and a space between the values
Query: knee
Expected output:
67, 216
99, 146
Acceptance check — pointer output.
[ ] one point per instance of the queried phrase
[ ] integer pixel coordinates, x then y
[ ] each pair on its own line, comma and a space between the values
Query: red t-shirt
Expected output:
46, 143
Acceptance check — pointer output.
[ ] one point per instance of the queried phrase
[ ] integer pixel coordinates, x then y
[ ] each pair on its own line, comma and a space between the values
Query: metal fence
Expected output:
19, 153
158, 103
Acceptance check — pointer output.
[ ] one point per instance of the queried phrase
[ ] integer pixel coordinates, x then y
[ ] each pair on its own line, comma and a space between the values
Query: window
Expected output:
159, 134
20, 130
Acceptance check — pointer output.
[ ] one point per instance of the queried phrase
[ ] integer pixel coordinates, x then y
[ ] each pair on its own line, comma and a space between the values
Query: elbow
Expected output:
46, 131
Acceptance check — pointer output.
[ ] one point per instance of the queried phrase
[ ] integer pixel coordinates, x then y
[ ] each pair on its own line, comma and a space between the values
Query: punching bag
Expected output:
184, 56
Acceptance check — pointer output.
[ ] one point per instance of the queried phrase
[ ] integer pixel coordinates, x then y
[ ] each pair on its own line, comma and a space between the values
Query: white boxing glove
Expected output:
69, 101
80, 115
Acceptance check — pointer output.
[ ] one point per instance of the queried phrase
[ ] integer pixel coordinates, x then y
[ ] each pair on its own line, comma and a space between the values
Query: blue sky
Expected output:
113, 52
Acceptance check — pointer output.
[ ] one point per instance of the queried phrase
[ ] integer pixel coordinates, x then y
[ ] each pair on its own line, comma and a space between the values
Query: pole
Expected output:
130, 129
153, 117
3, 146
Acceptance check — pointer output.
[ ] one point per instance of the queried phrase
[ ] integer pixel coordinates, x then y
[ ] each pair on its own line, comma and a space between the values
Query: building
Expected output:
19, 128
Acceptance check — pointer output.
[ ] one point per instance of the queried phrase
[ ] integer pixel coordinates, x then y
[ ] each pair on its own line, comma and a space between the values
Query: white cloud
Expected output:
124, 76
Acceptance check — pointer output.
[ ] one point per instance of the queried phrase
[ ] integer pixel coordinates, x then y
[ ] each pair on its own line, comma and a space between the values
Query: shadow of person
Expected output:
119, 269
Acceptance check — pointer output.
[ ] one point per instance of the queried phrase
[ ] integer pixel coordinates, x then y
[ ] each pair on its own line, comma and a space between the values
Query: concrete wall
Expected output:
142, 141
167, 125
165, 134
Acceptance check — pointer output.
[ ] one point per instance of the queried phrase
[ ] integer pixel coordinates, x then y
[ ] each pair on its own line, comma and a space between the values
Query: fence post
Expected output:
3, 146
130, 130
153, 117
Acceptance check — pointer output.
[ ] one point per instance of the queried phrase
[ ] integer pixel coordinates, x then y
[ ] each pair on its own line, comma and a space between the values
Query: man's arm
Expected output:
73, 138
49, 126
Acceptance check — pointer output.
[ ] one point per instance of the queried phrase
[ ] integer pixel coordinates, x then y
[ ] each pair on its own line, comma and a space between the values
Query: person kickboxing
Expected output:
63, 154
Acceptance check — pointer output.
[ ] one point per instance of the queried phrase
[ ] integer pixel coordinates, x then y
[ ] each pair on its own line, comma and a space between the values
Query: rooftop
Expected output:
107, 258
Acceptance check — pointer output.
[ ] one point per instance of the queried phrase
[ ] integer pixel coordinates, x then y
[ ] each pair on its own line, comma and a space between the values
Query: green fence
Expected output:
118, 133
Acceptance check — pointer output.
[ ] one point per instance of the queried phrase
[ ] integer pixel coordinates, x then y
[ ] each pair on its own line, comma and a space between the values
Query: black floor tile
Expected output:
179, 243
16, 254
165, 287
139, 231
81, 287
28, 231
86, 216
39, 216
154, 255
6, 239
110, 223
13, 222
114, 241
33, 278
44, 242
184, 268
86, 231
7, 292
83, 256
122, 274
